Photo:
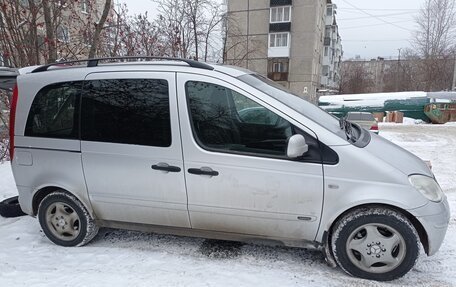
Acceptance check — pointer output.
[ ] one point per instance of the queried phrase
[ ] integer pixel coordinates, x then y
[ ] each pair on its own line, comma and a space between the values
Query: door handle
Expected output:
166, 167
203, 171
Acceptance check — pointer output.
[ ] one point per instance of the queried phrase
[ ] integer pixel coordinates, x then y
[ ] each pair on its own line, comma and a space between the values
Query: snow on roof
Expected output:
373, 96
378, 99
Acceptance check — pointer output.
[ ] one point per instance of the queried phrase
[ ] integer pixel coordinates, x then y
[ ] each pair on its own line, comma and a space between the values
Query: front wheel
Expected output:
375, 243
65, 220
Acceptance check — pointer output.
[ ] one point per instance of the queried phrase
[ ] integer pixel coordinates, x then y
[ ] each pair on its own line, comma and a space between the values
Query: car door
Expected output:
131, 148
238, 177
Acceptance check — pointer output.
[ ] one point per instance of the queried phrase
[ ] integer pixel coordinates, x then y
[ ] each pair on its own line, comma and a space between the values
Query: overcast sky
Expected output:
363, 24
371, 36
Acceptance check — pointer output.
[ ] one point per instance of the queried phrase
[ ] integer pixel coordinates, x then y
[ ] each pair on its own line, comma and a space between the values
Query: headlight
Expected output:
427, 186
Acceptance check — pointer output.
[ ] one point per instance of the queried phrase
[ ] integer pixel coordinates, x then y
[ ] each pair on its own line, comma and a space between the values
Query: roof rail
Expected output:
95, 62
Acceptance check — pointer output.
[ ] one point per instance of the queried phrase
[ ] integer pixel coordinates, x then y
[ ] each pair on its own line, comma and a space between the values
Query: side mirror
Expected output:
297, 146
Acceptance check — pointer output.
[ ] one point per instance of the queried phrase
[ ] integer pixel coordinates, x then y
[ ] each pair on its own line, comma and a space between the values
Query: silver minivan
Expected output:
188, 148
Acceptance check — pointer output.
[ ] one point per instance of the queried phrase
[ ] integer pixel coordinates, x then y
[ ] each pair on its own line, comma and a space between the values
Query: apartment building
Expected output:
332, 55
280, 39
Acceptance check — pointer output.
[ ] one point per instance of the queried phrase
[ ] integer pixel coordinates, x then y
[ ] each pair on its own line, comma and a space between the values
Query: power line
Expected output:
391, 9
373, 25
377, 40
367, 17
369, 14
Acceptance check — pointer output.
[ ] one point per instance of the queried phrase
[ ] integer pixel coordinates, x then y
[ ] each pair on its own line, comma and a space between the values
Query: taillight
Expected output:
12, 121
374, 127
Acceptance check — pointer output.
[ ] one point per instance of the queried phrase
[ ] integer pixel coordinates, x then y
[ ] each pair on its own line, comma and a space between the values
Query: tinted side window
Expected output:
252, 113
127, 111
54, 112
226, 121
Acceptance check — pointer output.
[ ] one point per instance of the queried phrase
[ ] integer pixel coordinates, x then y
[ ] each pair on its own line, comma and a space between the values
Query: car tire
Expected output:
375, 243
10, 207
65, 220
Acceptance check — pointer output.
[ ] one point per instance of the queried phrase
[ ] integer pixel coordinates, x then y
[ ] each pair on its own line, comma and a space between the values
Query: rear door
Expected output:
131, 148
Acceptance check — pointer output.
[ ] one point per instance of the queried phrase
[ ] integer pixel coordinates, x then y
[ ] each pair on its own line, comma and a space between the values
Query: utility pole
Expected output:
248, 32
454, 74
397, 70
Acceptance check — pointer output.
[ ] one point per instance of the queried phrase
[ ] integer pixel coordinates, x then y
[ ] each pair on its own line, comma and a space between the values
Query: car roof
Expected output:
170, 63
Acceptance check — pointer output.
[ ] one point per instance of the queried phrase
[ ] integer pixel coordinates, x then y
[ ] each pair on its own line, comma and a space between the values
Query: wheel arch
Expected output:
42, 192
415, 222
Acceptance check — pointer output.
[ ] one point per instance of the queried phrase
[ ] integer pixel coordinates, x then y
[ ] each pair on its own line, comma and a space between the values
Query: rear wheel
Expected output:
375, 243
65, 221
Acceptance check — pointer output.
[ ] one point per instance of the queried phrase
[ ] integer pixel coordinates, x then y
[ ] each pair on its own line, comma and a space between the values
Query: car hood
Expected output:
394, 155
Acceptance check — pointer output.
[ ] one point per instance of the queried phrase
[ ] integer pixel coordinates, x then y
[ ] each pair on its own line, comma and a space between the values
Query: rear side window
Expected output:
352, 116
367, 117
360, 117
126, 111
54, 112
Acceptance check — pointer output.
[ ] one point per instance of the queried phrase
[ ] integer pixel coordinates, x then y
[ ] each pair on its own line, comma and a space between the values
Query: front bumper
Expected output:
435, 218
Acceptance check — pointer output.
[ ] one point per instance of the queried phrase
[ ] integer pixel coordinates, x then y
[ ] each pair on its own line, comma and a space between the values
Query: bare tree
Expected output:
436, 28
355, 78
19, 24
191, 28
50, 32
176, 30
35, 32
435, 40
127, 35
98, 27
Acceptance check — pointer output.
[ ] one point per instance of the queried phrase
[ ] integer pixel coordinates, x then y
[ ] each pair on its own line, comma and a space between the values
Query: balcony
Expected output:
278, 52
277, 76
280, 27
327, 41
280, 2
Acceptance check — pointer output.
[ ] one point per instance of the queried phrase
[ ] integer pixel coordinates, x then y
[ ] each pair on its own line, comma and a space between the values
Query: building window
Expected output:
280, 14
278, 69
63, 34
24, 3
329, 11
62, 3
85, 6
326, 51
2, 21
328, 31
325, 70
87, 38
278, 40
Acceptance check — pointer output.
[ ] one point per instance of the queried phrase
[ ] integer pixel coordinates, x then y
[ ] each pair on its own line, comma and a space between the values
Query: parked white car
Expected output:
167, 146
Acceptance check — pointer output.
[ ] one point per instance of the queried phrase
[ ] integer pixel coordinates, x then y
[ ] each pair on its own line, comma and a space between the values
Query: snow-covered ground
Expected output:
123, 258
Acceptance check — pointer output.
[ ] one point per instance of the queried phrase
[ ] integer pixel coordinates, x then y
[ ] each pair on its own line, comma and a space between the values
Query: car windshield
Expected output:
295, 102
